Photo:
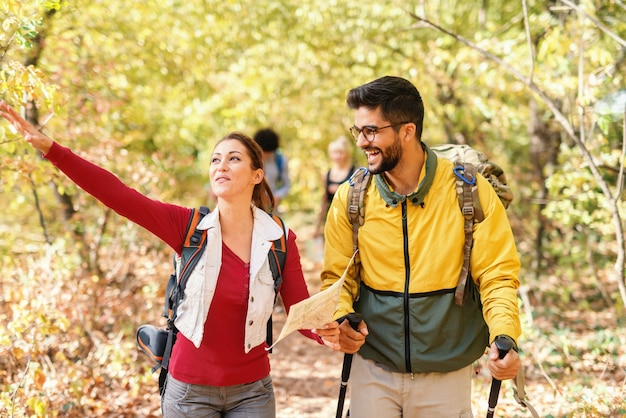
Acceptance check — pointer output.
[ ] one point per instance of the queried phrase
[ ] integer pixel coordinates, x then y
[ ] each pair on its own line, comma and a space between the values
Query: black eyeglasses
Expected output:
369, 131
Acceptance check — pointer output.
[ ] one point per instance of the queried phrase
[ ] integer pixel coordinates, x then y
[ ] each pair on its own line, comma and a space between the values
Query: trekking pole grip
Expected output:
504, 345
354, 319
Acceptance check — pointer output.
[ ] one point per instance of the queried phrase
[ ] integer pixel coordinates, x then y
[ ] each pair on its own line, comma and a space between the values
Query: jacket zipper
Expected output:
407, 269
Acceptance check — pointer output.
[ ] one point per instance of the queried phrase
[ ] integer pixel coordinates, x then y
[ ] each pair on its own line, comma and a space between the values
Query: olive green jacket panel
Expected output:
445, 337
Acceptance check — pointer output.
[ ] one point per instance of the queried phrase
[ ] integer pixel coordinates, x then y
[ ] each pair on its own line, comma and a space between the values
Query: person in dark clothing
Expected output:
341, 168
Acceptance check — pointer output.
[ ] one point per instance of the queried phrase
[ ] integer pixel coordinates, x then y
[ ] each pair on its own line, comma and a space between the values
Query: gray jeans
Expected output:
249, 400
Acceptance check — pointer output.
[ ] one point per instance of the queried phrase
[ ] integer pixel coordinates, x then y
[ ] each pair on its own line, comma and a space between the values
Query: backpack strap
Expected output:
359, 181
193, 245
467, 193
519, 393
277, 257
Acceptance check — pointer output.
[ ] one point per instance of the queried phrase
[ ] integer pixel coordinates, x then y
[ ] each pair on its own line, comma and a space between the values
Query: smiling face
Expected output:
232, 173
385, 151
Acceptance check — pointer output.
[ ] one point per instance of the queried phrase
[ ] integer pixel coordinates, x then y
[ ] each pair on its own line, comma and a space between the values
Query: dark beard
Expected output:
390, 158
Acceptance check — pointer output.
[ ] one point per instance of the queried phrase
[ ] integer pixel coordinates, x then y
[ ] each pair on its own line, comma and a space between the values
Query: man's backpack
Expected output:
467, 163
156, 342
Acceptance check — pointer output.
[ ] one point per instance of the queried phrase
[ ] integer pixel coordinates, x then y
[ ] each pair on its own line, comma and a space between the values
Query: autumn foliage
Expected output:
145, 88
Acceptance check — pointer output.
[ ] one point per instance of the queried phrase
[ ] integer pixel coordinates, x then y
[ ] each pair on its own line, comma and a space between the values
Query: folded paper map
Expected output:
315, 311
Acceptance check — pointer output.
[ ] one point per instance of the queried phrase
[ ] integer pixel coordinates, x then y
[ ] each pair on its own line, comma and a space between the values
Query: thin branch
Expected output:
620, 175
531, 50
95, 253
558, 115
8, 141
619, 265
546, 375
581, 87
19, 385
475, 47
6, 47
563, 121
596, 22
42, 221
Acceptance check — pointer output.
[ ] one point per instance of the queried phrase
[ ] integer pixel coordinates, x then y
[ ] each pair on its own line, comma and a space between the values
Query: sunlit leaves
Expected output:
55, 4
577, 201
19, 85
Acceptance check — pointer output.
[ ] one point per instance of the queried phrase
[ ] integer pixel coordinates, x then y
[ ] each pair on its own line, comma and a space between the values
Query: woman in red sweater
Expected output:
219, 365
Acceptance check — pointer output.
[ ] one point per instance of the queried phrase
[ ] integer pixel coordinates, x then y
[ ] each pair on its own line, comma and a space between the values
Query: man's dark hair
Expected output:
267, 139
398, 99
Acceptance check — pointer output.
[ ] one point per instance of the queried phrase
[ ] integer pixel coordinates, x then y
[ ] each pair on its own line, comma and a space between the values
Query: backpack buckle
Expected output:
459, 171
468, 211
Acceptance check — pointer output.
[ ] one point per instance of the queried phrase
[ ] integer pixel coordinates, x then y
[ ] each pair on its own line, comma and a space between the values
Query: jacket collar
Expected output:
392, 198
264, 224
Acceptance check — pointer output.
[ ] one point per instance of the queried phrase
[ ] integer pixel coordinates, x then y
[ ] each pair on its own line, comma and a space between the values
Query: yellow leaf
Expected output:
39, 378
60, 356
18, 353
38, 406
13, 7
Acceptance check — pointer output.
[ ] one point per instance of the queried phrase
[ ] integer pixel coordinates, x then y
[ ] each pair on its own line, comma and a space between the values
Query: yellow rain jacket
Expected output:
409, 261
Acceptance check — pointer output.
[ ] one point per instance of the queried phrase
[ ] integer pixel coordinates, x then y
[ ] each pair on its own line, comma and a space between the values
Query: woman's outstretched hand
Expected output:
31, 134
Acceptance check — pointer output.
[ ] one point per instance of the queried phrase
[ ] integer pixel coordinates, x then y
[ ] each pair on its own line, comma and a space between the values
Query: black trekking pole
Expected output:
504, 346
354, 319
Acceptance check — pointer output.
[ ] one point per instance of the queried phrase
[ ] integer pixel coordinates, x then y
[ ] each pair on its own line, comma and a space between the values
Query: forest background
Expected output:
145, 89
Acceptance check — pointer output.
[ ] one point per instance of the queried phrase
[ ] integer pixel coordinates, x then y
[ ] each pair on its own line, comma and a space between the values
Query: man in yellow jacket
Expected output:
415, 346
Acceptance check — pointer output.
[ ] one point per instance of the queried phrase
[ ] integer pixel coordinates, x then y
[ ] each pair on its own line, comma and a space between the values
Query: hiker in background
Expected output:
415, 347
341, 168
276, 164
219, 364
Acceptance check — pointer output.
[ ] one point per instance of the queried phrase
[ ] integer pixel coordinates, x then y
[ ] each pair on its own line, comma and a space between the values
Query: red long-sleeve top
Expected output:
220, 360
